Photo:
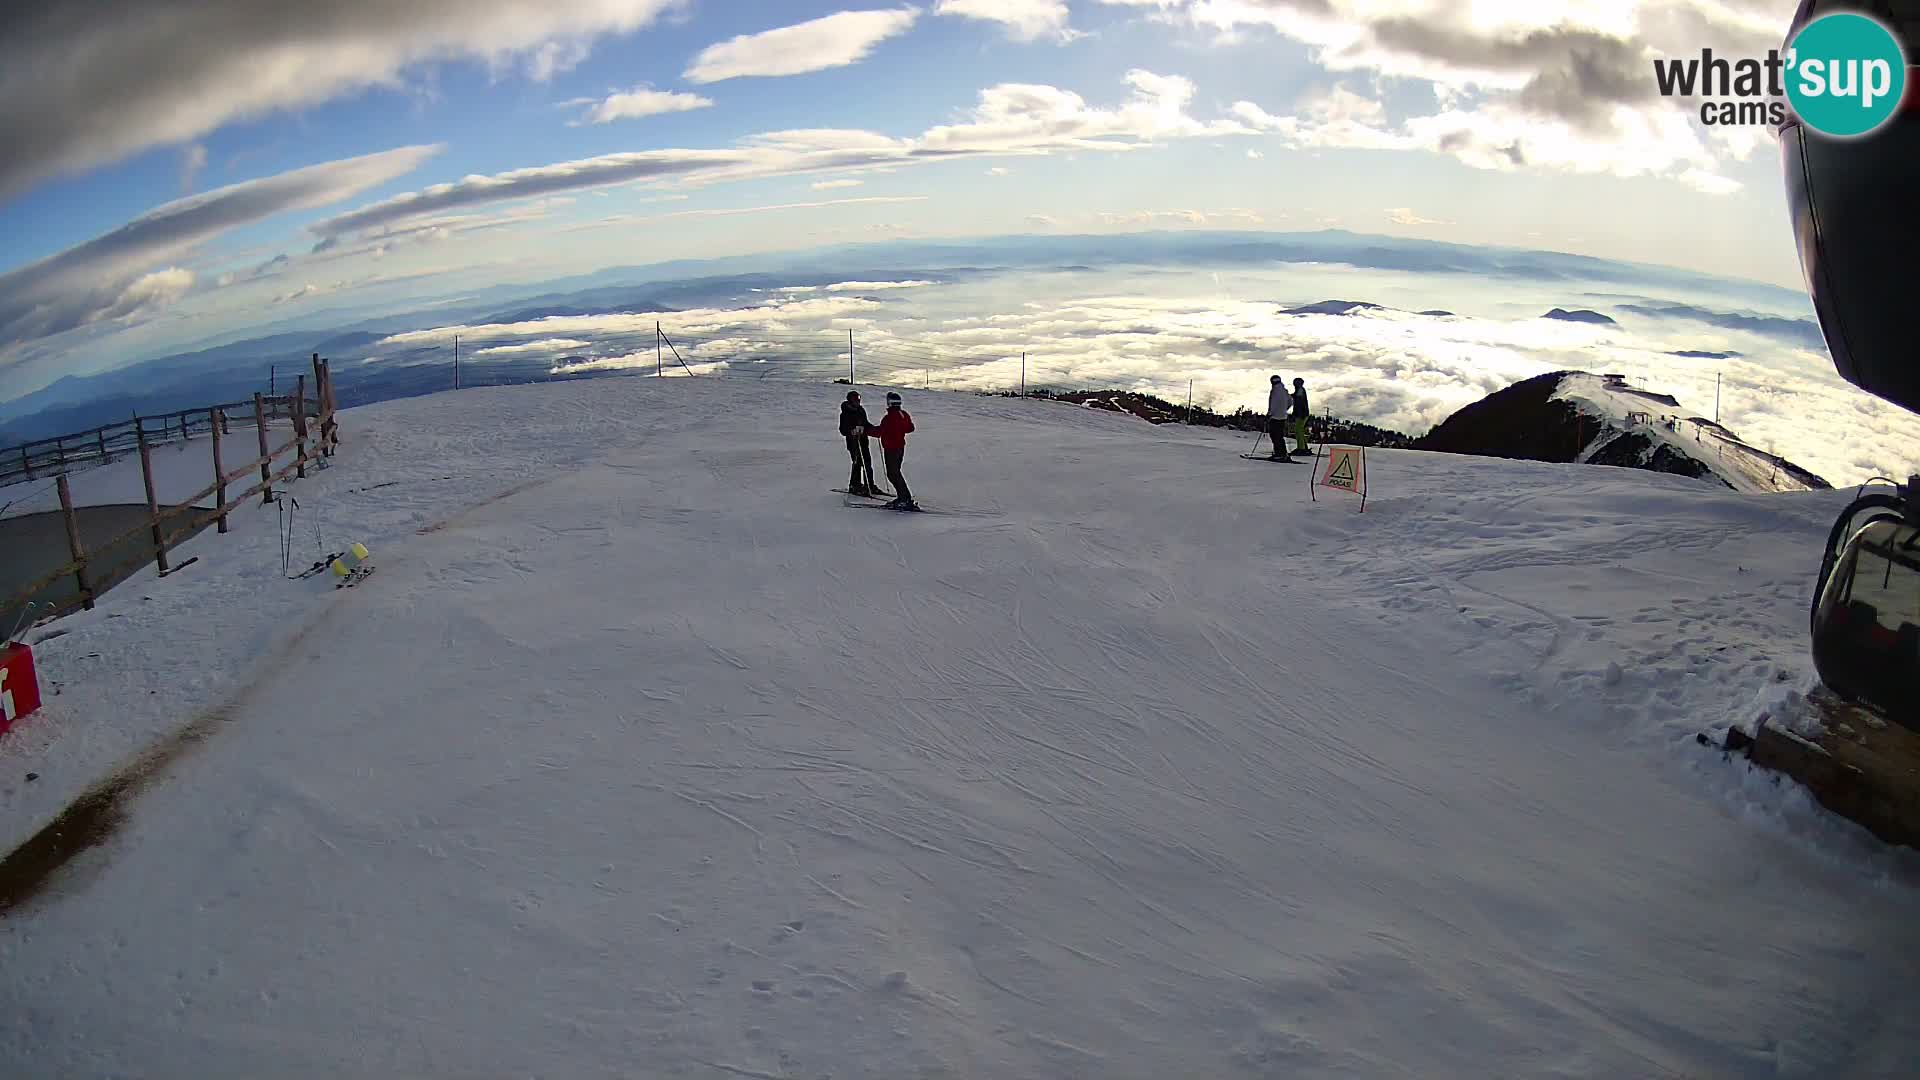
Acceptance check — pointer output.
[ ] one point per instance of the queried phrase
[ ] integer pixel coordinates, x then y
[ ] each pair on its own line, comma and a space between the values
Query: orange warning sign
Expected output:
1344, 467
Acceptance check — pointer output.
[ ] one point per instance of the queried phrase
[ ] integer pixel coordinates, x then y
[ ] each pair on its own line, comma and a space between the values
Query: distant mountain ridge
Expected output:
1581, 315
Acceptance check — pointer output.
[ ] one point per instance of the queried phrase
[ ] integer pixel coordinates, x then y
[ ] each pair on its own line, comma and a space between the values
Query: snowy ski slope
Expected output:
1745, 468
643, 756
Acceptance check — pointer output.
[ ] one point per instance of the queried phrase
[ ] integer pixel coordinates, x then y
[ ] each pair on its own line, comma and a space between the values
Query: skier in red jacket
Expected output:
892, 434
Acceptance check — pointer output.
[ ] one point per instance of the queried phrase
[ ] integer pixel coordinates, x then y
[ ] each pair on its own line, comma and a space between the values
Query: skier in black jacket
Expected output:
1300, 418
853, 427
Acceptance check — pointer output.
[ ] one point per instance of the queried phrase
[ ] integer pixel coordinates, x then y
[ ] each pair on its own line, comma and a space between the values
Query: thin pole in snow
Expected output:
1023, 374
659, 369
851, 381
456, 361
1716, 397
1189, 402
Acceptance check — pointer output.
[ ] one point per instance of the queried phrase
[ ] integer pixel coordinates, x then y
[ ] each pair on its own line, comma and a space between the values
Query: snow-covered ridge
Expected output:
1577, 417
1641, 429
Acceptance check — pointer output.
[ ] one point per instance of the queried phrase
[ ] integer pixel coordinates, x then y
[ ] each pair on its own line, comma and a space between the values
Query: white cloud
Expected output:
831, 41
131, 270
997, 170
732, 211
1401, 215
645, 358
146, 293
1562, 87
557, 57
642, 102
1709, 182
1197, 218
192, 159
76, 93
1009, 119
782, 313
1024, 20
1254, 154
533, 348
1045, 221
877, 286
832, 185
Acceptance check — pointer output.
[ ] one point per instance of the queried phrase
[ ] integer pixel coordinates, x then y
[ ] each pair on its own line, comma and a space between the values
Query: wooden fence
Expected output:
170, 525
60, 453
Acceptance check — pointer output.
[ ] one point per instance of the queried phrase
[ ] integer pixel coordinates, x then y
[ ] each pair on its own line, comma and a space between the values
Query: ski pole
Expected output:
26, 613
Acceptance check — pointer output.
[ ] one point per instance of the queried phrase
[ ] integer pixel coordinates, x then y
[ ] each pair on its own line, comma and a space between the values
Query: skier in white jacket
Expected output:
1279, 402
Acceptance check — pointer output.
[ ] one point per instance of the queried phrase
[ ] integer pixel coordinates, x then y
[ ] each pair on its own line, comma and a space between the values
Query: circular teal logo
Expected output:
1845, 74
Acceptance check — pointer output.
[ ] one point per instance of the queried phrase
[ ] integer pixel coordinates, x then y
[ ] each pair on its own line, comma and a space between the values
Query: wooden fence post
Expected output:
214, 419
73, 542
320, 402
266, 466
153, 505
300, 427
333, 407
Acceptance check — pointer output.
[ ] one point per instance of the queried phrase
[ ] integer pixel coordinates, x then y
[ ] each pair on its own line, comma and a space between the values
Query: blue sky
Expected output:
191, 169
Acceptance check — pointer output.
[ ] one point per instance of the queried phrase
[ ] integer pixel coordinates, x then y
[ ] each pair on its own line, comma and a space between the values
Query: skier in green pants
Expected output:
1299, 418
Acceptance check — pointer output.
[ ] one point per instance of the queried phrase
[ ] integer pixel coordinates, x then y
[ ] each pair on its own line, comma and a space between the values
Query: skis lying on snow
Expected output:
869, 495
346, 577
1275, 460
319, 567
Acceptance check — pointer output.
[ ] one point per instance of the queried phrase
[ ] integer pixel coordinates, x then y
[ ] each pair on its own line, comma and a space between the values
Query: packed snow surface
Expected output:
642, 754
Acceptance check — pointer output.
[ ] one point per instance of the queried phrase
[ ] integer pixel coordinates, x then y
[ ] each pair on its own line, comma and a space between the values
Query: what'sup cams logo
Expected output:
1842, 75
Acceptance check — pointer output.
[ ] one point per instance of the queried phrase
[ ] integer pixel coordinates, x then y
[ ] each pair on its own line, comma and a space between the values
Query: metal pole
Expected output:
1189, 402
1716, 397
851, 380
1023, 374
659, 367
456, 361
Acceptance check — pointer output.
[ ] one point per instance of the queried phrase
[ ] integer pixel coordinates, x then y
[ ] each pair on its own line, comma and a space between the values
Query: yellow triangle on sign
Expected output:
1341, 475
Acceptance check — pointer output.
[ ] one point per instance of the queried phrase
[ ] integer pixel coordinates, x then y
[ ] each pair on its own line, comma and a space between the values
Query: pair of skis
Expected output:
345, 576
875, 493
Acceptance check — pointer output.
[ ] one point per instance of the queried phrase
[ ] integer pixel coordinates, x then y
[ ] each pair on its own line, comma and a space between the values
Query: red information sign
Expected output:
19, 690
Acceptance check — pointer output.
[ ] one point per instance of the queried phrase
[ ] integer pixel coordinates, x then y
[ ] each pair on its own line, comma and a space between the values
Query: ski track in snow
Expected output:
643, 756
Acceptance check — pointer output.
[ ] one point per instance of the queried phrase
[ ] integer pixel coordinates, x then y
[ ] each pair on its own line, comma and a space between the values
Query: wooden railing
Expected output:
170, 525
60, 453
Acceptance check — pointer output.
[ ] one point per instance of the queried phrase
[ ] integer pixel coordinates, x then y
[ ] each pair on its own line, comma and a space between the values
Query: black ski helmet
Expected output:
1275, 379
